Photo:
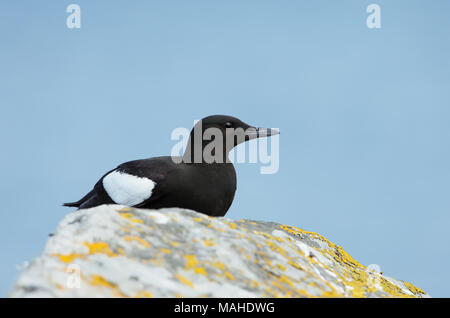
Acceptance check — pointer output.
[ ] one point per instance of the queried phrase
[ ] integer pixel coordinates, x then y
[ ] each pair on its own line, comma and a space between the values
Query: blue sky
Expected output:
364, 115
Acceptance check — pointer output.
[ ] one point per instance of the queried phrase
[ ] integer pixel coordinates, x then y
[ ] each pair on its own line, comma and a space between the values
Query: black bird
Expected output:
203, 179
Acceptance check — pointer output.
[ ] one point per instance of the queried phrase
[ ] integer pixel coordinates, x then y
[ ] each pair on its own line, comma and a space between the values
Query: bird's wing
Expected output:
135, 183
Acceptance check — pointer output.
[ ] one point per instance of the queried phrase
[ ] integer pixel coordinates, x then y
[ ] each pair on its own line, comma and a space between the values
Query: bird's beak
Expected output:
255, 132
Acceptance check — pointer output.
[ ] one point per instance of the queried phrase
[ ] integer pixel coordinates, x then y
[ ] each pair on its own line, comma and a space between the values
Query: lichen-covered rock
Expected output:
115, 251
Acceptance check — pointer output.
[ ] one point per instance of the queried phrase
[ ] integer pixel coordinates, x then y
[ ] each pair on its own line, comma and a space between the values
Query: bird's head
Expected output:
213, 137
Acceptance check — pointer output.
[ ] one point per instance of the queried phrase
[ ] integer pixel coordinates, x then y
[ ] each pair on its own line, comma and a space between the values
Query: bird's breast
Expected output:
208, 189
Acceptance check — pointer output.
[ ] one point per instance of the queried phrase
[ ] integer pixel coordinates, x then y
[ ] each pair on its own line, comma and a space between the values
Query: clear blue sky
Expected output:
364, 115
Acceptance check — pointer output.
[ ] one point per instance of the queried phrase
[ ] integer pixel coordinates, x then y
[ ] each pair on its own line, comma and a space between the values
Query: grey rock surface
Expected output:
116, 251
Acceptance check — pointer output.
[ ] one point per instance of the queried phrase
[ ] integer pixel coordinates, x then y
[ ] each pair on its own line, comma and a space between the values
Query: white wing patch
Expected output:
126, 189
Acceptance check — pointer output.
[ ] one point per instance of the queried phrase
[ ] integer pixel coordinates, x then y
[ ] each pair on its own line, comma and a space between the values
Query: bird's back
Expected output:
160, 182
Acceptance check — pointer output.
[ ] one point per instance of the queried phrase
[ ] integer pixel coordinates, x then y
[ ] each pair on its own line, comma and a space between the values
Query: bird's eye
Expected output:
228, 125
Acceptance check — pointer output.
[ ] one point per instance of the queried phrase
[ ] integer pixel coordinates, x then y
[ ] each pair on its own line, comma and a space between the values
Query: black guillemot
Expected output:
199, 180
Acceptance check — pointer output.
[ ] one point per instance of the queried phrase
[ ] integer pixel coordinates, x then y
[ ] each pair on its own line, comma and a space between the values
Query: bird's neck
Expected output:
205, 151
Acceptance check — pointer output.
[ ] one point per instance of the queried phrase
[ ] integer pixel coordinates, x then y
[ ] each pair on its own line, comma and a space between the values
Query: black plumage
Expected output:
187, 182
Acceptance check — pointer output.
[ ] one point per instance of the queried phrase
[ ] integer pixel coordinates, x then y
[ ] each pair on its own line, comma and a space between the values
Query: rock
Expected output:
115, 251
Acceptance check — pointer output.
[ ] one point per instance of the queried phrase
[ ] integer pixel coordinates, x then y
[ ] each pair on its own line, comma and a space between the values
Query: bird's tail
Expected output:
78, 203
72, 204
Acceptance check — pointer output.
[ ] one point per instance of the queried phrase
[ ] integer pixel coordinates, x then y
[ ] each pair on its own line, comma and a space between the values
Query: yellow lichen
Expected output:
353, 274
99, 248
253, 283
130, 217
68, 258
191, 261
271, 237
219, 265
229, 276
209, 242
231, 225
191, 264
143, 294
97, 280
215, 228
157, 261
200, 270
100, 281
137, 239
415, 290
184, 280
